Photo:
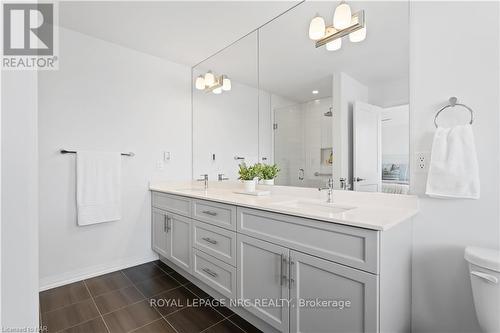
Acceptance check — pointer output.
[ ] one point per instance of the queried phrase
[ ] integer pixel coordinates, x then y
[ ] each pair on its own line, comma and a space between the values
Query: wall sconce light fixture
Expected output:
213, 83
344, 23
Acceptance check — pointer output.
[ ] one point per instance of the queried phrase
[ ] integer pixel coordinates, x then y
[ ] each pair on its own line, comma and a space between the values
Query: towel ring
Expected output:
453, 103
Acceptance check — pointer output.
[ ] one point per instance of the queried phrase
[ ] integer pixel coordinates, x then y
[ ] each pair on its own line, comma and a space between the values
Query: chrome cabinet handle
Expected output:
210, 272
292, 280
209, 212
357, 179
283, 277
165, 223
169, 222
209, 240
488, 277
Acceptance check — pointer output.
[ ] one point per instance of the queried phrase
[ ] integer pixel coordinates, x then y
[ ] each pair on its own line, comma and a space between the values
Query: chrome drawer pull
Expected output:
283, 278
209, 240
292, 280
209, 212
169, 222
210, 272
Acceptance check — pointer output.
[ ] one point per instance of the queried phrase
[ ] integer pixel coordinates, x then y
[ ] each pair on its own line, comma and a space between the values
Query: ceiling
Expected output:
189, 32
184, 32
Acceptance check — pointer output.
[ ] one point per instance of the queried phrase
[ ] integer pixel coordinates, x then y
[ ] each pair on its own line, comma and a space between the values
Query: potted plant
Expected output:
268, 173
248, 174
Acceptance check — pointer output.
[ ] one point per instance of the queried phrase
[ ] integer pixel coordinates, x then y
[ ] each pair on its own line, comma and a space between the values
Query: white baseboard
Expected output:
89, 272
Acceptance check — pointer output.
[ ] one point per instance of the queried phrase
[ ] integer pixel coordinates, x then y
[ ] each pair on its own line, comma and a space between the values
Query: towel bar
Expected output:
64, 151
453, 103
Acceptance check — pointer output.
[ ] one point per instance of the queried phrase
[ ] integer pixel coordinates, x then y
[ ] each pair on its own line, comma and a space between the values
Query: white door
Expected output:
367, 147
179, 233
263, 275
318, 279
160, 235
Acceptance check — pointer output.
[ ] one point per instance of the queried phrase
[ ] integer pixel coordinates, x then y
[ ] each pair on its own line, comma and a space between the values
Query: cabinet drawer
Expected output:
355, 247
218, 242
215, 273
215, 213
172, 203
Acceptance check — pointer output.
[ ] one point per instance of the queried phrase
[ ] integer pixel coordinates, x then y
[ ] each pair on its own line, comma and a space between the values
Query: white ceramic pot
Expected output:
268, 181
249, 185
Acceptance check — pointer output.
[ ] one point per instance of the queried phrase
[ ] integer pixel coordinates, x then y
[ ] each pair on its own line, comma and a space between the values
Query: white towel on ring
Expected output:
453, 169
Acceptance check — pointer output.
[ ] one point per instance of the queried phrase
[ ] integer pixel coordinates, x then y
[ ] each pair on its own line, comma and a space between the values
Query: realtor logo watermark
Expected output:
29, 36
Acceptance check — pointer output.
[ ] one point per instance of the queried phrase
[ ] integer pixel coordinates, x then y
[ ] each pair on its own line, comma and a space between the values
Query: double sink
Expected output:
294, 205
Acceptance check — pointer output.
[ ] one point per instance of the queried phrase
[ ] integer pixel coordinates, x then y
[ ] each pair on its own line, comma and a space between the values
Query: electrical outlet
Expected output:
422, 160
160, 165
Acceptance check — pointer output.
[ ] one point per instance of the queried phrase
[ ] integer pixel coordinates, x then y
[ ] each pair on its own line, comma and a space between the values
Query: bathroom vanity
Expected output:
289, 261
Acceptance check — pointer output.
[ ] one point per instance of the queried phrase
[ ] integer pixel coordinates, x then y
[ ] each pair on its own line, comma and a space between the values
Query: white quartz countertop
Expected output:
376, 211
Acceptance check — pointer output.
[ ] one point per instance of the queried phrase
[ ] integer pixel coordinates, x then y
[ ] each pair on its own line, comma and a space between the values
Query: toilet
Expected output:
484, 271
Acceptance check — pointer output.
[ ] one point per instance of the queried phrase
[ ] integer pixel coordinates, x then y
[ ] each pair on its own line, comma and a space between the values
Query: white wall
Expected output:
448, 58
225, 125
388, 94
346, 91
396, 134
19, 302
106, 97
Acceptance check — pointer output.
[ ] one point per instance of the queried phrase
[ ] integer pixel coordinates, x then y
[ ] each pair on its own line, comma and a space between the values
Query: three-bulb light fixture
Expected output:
213, 83
344, 23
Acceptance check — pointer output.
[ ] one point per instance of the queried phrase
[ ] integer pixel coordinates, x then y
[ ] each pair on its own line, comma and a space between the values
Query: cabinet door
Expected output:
263, 277
159, 229
314, 279
179, 234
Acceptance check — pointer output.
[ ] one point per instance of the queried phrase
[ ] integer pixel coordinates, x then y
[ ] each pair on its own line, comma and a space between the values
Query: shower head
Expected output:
329, 113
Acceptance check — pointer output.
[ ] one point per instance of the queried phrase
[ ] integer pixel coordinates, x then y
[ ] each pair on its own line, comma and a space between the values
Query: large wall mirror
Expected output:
334, 111
226, 110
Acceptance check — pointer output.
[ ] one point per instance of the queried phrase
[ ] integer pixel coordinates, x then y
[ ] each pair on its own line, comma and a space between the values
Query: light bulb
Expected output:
217, 90
200, 83
334, 45
226, 83
209, 79
342, 16
317, 28
358, 35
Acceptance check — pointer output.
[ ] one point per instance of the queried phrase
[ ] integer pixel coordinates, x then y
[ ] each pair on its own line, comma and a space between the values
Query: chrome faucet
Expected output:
220, 177
205, 180
330, 190
343, 184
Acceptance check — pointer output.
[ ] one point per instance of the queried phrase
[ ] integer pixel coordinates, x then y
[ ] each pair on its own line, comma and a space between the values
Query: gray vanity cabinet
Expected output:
160, 235
263, 275
351, 293
287, 273
179, 240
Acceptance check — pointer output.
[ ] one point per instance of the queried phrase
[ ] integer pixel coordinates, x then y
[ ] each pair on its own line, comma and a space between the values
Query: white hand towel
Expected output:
453, 169
98, 190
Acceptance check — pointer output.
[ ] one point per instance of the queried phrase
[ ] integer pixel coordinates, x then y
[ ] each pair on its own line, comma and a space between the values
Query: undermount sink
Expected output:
315, 206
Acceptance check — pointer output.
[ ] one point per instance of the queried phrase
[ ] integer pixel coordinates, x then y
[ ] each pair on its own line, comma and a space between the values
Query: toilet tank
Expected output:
484, 271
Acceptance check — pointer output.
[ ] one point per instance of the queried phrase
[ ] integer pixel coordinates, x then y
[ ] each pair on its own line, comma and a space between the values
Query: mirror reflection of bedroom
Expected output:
395, 149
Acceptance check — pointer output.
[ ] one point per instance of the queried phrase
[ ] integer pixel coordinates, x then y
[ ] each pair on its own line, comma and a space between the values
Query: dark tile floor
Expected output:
121, 301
